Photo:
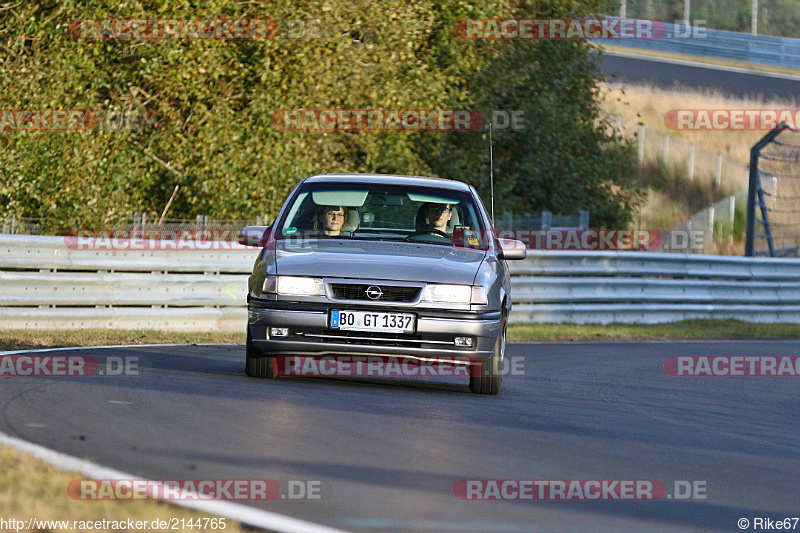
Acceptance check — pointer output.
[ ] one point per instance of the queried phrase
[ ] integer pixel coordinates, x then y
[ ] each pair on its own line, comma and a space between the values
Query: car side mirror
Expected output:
511, 249
254, 236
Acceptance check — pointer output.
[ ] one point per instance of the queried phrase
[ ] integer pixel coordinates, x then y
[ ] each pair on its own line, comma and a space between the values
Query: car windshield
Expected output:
383, 212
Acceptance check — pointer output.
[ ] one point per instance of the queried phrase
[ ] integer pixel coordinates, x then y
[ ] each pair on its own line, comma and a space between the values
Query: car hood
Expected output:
379, 260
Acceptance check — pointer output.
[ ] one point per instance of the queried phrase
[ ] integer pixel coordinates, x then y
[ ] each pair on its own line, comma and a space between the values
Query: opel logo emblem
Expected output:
374, 292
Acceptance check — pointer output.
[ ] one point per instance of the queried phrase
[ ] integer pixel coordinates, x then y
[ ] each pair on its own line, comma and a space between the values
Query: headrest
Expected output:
353, 220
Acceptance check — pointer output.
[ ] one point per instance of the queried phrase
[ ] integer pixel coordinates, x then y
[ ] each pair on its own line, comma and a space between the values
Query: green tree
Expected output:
210, 106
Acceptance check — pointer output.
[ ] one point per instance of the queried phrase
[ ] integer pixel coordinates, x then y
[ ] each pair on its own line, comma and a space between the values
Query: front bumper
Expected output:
309, 333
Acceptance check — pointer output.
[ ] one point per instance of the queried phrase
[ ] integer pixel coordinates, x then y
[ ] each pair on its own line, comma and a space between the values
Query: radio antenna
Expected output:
491, 170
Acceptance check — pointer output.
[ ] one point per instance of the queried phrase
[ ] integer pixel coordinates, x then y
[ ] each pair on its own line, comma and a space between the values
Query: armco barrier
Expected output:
648, 288
46, 285
723, 44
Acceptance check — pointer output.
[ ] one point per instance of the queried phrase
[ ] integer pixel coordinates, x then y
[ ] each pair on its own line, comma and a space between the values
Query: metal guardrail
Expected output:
44, 284
723, 44
28, 252
648, 288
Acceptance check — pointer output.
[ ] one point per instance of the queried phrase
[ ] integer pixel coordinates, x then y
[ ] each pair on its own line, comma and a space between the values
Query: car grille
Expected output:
390, 293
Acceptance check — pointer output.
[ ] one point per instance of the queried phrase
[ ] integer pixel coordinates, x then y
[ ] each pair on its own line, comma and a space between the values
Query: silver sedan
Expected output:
398, 266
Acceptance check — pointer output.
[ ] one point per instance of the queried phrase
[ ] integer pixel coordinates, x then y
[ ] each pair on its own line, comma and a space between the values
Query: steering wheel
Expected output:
429, 231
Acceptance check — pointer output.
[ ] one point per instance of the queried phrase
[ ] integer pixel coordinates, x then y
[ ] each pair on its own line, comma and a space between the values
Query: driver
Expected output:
437, 215
329, 219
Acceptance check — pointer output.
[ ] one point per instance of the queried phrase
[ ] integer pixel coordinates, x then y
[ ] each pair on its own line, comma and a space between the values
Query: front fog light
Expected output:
278, 332
464, 342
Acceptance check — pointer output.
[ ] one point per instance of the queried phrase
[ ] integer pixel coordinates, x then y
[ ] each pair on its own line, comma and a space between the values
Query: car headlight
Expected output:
454, 294
293, 285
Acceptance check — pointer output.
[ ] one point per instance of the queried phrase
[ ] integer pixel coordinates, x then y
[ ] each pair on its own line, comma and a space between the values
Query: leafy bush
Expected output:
210, 105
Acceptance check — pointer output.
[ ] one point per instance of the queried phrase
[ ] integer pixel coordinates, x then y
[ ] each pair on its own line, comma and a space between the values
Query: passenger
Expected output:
329, 219
437, 216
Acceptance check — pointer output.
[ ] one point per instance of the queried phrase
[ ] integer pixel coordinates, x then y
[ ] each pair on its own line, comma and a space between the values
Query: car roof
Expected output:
390, 179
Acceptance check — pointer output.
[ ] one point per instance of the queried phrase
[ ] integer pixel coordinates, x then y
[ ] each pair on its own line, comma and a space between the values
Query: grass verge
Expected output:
647, 104
31, 488
686, 329
22, 339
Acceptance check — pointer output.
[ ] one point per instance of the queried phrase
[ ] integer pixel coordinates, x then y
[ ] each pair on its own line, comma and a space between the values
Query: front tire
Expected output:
491, 377
258, 365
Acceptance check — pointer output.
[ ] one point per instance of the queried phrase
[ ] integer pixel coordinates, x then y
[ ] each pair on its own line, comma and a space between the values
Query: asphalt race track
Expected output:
682, 75
388, 452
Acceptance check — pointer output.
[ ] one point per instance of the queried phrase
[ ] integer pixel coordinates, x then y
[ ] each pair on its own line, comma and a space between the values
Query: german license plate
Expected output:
369, 321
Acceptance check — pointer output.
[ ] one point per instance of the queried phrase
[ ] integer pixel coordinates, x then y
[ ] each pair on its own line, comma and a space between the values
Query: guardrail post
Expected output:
547, 219
711, 221
731, 210
731, 216
583, 222
718, 179
751, 203
691, 160
666, 149
641, 143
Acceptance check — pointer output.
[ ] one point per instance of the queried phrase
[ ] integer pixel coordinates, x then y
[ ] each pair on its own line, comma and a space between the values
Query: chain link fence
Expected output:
774, 196
214, 228
13, 225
